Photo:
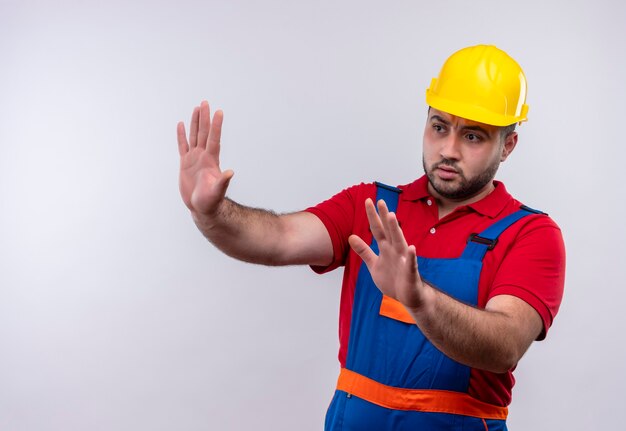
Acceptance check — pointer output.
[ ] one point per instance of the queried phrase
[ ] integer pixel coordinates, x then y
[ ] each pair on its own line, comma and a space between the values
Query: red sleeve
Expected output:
534, 269
339, 215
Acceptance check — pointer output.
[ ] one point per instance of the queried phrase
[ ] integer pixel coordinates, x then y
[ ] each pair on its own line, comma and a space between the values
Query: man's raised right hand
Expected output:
202, 183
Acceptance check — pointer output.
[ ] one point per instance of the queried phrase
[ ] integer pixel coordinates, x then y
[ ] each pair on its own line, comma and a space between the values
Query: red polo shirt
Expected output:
528, 261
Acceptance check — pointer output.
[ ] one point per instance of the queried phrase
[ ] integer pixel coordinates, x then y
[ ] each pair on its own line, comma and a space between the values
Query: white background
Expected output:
116, 314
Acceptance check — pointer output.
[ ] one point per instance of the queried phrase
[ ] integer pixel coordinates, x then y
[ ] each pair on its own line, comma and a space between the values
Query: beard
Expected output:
467, 188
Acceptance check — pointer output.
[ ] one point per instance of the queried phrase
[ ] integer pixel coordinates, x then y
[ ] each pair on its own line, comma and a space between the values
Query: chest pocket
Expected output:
393, 309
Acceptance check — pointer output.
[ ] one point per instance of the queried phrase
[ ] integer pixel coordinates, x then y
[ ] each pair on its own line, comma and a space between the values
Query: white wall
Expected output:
115, 314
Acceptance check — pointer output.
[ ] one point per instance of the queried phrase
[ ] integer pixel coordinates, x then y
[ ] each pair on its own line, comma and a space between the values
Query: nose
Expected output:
450, 147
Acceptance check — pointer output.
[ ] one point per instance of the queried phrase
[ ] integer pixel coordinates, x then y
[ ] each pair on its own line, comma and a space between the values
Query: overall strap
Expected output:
390, 195
478, 244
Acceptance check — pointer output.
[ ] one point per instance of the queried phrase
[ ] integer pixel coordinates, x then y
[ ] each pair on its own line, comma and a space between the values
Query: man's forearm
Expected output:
486, 339
245, 233
264, 237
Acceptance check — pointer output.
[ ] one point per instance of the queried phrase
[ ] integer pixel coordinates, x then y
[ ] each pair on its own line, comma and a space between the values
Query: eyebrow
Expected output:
476, 128
438, 118
447, 123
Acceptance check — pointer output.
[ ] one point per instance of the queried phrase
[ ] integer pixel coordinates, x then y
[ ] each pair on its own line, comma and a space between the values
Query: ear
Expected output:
509, 145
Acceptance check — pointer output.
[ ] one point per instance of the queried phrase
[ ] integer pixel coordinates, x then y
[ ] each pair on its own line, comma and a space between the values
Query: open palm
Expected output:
202, 183
394, 270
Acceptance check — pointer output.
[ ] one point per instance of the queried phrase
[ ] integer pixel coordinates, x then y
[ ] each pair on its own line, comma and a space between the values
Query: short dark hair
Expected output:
507, 130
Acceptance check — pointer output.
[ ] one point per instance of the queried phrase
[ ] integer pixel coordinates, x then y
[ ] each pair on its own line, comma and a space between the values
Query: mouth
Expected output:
446, 172
447, 168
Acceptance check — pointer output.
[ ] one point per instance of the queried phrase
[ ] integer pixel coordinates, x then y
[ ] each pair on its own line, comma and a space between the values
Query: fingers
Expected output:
215, 135
413, 270
364, 251
393, 230
223, 182
193, 127
384, 225
412, 261
183, 147
374, 220
204, 124
203, 132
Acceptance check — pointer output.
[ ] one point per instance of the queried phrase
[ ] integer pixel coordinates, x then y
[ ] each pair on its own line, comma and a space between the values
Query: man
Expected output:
448, 280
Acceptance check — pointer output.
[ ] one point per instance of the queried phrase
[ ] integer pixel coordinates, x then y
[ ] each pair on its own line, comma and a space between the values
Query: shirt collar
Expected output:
490, 206
415, 191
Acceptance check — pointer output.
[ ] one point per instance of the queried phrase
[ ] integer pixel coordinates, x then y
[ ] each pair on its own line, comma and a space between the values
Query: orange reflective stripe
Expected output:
428, 400
393, 309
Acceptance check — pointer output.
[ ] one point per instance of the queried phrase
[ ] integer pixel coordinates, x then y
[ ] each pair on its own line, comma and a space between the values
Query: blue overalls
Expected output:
385, 354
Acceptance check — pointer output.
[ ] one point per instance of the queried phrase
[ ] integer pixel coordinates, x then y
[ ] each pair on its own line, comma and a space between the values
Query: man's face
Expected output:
461, 157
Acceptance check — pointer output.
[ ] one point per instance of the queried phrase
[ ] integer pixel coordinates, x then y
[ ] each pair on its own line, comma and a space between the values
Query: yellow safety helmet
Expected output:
481, 83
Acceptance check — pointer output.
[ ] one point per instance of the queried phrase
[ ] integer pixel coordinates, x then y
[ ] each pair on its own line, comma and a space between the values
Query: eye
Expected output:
438, 128
473, 137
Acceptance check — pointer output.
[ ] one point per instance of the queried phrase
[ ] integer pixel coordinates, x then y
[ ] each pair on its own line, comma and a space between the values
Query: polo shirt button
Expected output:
429, 202
433, 230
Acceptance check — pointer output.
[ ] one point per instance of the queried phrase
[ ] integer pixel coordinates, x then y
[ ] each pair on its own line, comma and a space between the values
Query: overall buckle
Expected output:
490, 243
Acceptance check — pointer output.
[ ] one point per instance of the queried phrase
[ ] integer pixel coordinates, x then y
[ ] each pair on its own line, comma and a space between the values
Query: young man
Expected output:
448, 280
